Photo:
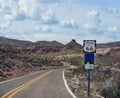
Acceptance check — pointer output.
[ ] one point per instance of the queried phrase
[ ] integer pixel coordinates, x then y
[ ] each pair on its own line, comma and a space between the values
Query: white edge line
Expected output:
67, 87
18, 77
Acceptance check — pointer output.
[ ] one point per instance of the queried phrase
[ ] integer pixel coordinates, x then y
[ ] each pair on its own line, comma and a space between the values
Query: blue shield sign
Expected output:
89, 58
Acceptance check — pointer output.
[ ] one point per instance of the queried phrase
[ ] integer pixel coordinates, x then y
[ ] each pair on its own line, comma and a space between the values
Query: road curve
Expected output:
43, 84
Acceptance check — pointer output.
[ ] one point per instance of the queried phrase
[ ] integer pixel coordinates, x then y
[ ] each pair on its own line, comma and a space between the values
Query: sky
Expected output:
60, 20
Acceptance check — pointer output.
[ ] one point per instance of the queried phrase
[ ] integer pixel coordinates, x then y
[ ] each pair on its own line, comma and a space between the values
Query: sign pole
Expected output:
88, 82
89, 47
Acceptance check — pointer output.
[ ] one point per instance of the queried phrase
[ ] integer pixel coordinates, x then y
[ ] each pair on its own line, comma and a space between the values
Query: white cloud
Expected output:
16, 15
99, 39
11, 10
5, 24
95, 16
54, 1
111, 10
29, 9
20, 15
90, 28
41, 10
32, 8
49, 17
43, 28
69, 24
93, 26
50, 1
8, 17
5, 6
112, 29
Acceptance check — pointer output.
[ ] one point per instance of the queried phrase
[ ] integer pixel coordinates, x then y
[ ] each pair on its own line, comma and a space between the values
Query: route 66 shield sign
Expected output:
89, 46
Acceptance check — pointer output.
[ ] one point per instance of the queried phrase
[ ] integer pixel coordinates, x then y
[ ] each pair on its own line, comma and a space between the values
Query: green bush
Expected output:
113, 91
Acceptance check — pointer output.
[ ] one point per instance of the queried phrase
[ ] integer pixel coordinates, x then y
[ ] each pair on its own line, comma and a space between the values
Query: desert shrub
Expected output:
25, 65
113, 91
77, 61
1, 66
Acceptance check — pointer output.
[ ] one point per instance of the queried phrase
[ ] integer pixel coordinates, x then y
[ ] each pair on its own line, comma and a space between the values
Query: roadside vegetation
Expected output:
105, 78
17, 64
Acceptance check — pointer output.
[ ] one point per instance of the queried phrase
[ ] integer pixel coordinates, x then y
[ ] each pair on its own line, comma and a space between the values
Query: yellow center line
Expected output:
11, 93
14, 89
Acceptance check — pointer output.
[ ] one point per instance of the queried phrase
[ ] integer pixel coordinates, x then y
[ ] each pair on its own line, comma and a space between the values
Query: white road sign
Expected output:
89, 46
89, 66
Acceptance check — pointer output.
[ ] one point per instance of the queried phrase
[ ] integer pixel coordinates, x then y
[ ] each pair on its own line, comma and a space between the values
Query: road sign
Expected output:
89, 46
89, 66
89, 58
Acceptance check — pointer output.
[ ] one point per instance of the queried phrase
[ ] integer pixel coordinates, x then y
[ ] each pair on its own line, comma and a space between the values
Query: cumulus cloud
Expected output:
95, 16
111, 10
49, 18
93, 26
41, 10
5, 8
15, 15
99, 39
90, 27
20, 15
31, 8
43, 28
112, 29
55, 1
11, 10
69, 24
5, 24
50, 1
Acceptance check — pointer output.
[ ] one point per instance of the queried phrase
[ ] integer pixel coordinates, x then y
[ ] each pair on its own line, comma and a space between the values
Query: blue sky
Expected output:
60, 20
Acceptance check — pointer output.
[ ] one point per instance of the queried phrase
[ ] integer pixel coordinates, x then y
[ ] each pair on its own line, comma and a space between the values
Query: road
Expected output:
43, 84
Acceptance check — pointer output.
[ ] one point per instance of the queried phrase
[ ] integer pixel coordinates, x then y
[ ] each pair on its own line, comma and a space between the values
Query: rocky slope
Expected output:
114, 52
73, 46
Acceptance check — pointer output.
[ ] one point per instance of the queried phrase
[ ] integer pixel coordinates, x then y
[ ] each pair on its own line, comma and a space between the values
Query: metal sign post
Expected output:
88, 82
89, 49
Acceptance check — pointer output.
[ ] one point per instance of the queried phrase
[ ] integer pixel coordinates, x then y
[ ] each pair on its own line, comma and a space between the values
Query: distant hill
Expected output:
22, 43
5, 42
109, 45
72, 46
20, 46
49, 43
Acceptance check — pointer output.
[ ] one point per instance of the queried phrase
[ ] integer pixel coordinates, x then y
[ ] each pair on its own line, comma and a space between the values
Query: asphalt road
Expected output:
43, 84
